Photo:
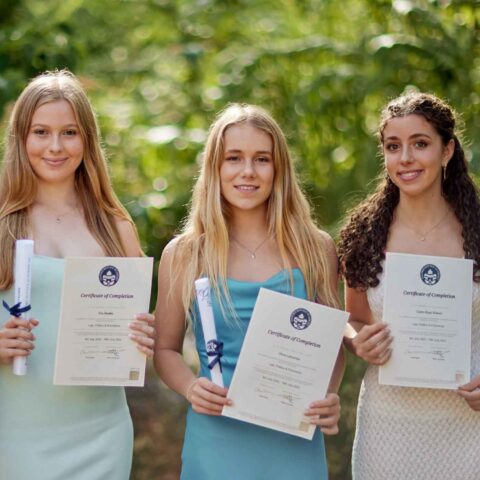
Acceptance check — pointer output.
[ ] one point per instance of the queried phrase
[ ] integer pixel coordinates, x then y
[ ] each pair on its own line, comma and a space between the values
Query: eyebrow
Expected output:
415, 135
268, 152
44, 125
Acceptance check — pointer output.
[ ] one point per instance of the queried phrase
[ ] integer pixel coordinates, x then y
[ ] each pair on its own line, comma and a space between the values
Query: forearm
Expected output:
173, 370
338, 371
351, 330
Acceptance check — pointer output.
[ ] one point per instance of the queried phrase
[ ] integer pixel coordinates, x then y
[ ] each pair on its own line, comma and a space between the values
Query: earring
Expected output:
444, 173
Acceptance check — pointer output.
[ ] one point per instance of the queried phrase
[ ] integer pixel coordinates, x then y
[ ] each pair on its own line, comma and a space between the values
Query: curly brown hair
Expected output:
363, 239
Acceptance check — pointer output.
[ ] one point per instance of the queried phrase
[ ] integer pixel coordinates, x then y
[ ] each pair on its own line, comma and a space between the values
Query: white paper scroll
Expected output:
23, 288
202, 286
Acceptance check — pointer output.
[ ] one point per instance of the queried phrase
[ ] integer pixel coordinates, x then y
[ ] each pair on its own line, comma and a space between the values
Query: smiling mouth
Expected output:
55, 161
410, 175
246, 188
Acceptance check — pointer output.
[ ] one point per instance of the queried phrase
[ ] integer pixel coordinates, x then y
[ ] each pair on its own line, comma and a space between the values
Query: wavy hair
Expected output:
202, 247
364, 237
18, 182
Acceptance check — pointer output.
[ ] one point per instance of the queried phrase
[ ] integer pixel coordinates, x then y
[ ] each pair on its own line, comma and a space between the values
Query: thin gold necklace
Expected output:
423, 236
58, 217
253, 253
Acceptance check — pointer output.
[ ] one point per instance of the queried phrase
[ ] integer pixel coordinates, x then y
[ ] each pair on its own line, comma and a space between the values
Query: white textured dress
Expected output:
416, 433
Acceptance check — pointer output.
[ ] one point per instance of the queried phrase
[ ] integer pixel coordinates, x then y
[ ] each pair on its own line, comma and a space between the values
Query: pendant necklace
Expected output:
423, 236
58, 217
253, 253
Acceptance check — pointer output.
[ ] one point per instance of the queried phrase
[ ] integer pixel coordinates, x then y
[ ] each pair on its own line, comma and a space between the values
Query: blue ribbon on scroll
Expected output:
16, 310
215, 350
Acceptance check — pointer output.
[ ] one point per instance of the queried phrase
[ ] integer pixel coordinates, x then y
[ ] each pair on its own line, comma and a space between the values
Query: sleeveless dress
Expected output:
52, 432
416, 433
219, 448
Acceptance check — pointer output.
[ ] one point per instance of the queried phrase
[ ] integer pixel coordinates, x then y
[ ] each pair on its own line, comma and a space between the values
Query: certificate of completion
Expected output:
428, 307
100, 298
286, 362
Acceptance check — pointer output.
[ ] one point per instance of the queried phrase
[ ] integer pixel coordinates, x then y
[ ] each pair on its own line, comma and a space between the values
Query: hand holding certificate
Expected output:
428, 306
100, 298
286, 362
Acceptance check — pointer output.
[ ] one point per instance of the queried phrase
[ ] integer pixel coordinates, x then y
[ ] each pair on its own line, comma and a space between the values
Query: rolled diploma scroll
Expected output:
202, 286
23, 289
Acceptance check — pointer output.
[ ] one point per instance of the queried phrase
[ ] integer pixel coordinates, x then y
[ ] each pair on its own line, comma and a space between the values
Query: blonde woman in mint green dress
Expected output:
54, 189
249, 227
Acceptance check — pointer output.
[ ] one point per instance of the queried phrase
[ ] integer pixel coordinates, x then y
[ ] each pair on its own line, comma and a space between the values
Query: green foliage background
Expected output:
157, 71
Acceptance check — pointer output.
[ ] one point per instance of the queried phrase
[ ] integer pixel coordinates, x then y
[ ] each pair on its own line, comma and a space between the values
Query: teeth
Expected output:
409, 175
246, 187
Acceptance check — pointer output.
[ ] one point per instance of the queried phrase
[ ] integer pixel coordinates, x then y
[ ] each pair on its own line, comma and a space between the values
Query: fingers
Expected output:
206, 397
20, 333
144, 333
472, 385
145, 317
373, 343
16, 338
18, 322
325, 413
471, 393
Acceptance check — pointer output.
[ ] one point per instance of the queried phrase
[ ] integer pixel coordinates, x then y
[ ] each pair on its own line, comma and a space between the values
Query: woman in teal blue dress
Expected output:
249, 227
55, 189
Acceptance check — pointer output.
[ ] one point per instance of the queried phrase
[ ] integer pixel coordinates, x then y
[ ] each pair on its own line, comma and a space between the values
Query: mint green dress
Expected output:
221, 448
49, 432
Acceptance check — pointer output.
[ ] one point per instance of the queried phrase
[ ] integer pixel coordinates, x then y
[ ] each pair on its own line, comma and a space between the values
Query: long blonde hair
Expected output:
202, 247
18, 183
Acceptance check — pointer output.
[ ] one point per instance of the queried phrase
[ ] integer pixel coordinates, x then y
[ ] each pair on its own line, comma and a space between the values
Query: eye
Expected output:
70, 132
262, 159
232, 158
421, 144
40, 132
392, 147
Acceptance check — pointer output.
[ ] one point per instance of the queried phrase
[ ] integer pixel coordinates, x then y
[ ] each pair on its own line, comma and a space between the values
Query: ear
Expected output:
448, 152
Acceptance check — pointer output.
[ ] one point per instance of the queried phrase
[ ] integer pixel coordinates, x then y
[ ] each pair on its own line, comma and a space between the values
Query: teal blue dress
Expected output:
219, 448
50, 432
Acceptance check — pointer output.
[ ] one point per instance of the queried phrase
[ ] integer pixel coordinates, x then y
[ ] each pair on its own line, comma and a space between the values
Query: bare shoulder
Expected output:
329, 246
172, 258
171, 269
171, 248
128, 237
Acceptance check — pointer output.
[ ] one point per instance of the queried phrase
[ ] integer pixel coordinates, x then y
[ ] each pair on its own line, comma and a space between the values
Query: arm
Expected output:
205, 396
368, 340
143, 332
326, 412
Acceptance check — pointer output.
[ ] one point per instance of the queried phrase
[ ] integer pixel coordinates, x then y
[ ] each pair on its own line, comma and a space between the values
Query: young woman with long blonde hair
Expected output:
55, 189
249, 227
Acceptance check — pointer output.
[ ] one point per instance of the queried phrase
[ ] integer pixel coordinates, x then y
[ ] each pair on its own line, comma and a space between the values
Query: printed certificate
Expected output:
428, 306
286, 362
100, 297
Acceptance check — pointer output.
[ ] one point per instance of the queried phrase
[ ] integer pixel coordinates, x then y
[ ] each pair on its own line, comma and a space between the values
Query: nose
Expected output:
55, 143
248, 168
406, 155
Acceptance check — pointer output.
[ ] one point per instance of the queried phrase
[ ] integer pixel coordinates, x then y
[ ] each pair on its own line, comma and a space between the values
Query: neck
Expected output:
249, 225
422, 211
56, 196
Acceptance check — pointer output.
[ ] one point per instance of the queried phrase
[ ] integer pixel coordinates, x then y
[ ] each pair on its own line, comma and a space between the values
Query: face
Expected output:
247, 170
54, 145
414, 155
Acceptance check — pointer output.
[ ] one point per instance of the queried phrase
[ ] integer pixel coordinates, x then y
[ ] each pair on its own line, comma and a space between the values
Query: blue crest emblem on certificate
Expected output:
109, 276
300, 318
430, 274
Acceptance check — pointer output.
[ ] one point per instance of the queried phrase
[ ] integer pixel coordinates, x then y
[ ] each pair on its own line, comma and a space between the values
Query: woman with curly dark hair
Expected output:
425, 204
